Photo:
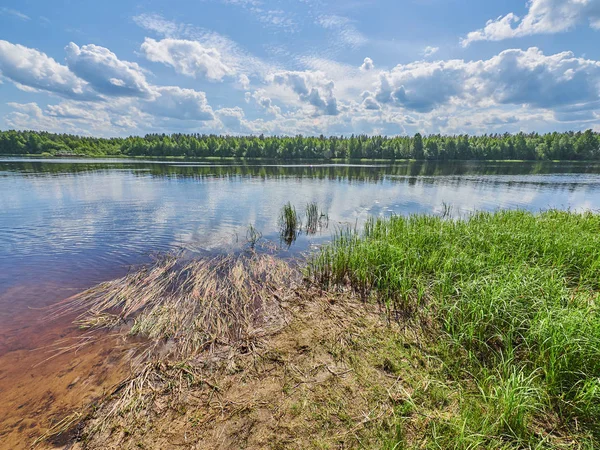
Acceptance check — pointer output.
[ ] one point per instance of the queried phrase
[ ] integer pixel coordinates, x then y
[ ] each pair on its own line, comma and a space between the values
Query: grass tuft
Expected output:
289, 224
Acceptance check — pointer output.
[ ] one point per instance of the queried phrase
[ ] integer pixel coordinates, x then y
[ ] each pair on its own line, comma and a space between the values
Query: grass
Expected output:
289, 224
515, 297
253, 236
185, 308
315, 219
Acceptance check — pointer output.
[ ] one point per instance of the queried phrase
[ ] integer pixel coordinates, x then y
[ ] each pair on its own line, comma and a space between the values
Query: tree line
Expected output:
522, 146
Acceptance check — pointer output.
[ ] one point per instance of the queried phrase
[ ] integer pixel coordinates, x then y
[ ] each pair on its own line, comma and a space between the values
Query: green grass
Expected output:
289, 224
514, 297
315, 219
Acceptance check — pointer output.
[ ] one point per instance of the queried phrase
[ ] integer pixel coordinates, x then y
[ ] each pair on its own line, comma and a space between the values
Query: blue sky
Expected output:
116, 68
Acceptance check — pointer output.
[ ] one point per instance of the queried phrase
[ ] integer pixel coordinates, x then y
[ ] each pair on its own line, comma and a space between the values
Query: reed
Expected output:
253, 236
315, 219
289, 224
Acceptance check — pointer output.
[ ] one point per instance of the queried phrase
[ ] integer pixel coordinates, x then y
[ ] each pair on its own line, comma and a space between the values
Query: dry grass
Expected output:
185, 308
323, 381
184, 316
237, 353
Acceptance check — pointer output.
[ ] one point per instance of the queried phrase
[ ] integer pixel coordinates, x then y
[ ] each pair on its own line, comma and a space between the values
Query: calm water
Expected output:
67, 224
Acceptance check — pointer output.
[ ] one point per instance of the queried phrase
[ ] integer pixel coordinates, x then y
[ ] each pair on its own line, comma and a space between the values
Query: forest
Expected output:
521, 146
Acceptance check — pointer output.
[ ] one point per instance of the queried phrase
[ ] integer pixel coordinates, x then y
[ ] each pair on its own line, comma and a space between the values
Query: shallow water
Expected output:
67, 224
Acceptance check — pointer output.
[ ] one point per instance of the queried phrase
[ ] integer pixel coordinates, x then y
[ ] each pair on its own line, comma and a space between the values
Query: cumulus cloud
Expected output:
532, 78
370, 103
69, 116
189, 58
244, 81
33, 69
543, 17
177, 103
514, 77
367, 65
233, 120
106, 73
93, 75
264, 102
231, 55
311, 87
421, 86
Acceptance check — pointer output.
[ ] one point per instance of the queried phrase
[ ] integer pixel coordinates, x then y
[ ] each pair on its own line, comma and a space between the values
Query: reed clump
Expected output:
515, 295
289, 224
184, 309
315, 219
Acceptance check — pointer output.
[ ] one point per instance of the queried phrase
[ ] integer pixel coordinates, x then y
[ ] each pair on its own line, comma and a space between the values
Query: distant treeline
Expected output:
551, 146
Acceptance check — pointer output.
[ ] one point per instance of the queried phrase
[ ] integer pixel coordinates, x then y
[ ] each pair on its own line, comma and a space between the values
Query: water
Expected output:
67, 224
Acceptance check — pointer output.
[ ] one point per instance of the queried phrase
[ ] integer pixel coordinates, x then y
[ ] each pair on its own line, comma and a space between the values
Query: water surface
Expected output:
66, 224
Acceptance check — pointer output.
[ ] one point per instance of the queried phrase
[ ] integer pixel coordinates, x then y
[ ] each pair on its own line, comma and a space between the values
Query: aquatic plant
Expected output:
184, 308
253, 236
315, 219
289, 224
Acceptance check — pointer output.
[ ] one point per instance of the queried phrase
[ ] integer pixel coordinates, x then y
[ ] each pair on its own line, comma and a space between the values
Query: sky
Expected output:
311, 67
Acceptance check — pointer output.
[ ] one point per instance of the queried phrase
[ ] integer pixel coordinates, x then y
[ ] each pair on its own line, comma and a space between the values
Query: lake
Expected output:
68, 224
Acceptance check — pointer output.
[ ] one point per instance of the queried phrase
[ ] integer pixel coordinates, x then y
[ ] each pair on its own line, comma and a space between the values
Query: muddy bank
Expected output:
321, 381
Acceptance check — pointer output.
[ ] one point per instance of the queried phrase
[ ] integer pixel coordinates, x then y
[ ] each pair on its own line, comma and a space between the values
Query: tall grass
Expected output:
315, 219
515, 293
289, 224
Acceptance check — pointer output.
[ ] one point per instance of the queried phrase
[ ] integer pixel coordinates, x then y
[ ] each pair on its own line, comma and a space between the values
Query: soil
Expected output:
320, 382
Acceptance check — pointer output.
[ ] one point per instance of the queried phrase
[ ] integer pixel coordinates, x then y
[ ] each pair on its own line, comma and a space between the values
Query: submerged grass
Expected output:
185, 308
515, 294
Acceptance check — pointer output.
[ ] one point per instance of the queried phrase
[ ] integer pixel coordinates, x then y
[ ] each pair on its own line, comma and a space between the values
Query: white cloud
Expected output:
367, 65
344, 29
189, 58
30, 68
370, 103
233, 120
231, 55
264, 102
93, 75
14, 13
543, 17
514, 77
430, 51
278, 19
76, 117
177, 103
311, 87
512, 91
421, 86
244, 81
106, 73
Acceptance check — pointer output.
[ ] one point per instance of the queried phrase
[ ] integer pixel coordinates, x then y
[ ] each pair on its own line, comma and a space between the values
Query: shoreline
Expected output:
420, 329
296, 160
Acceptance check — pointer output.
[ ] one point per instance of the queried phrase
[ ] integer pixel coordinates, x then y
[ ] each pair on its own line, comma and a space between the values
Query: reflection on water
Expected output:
71, 223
